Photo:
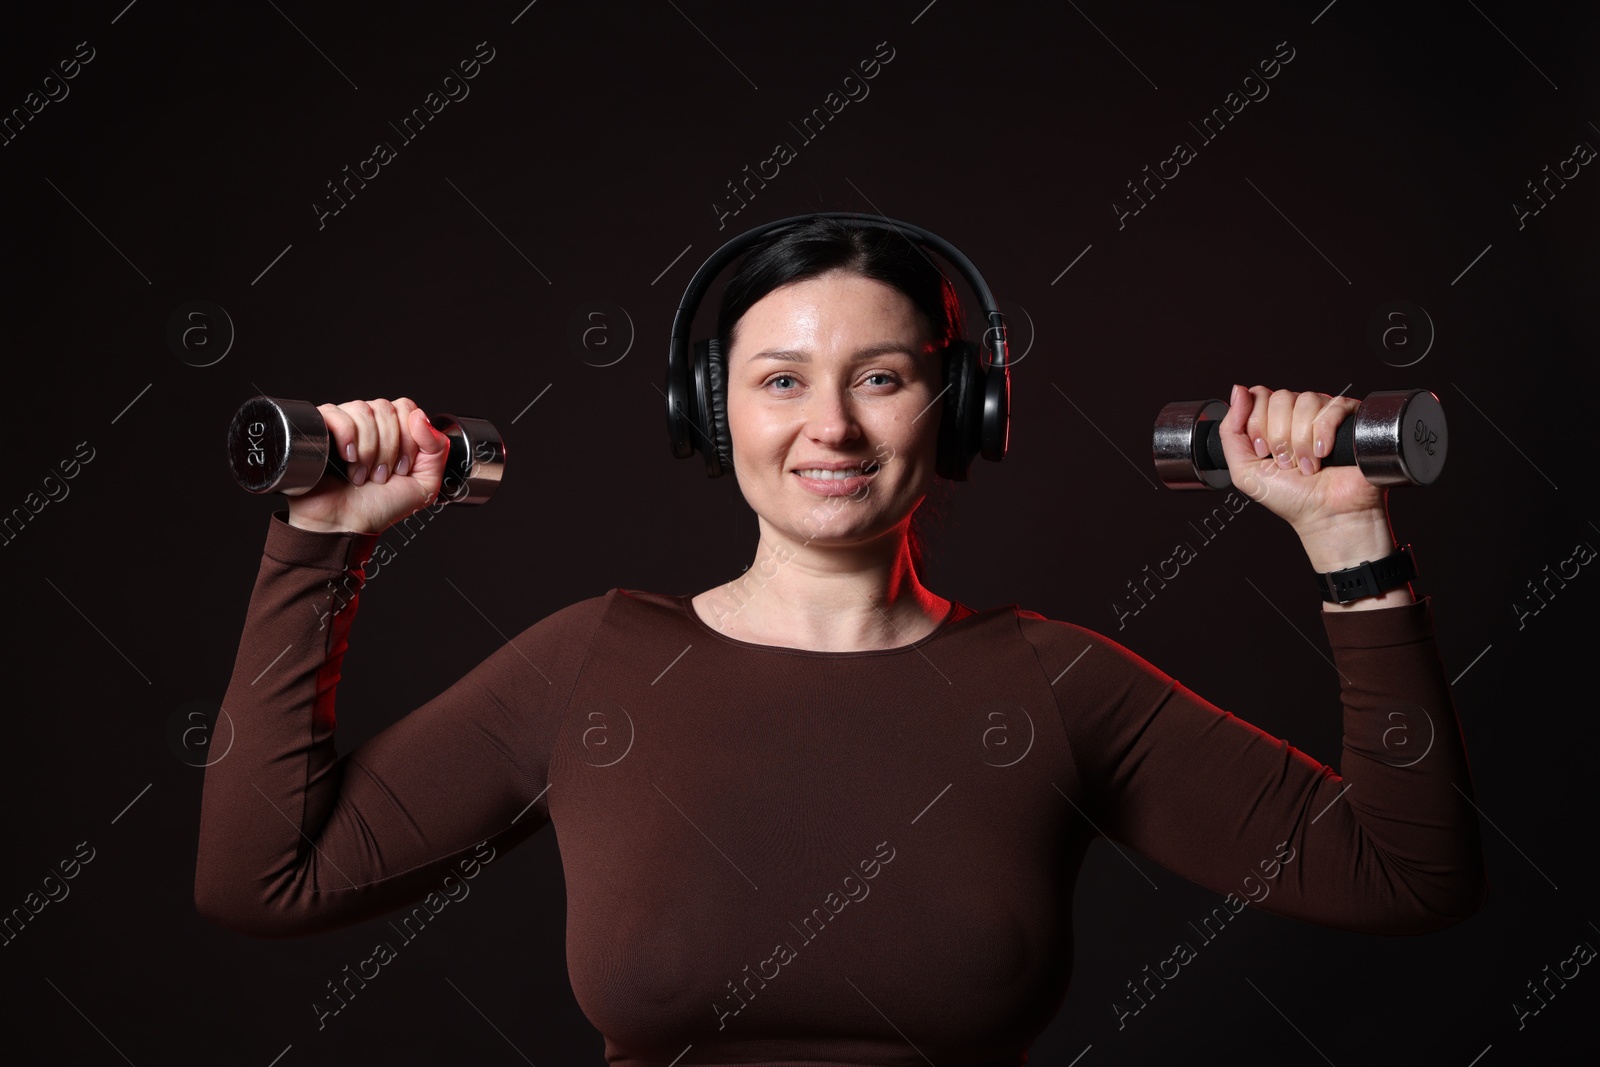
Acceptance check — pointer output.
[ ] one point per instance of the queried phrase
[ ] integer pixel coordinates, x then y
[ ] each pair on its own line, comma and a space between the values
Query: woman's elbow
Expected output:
240, 915
1473, 895
1462, 898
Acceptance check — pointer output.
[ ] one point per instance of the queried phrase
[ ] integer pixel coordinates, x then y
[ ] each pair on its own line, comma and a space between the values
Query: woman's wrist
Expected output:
1349, 541
302, 522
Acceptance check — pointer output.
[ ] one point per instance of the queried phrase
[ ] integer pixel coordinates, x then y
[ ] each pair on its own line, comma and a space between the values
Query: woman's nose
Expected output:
831, 417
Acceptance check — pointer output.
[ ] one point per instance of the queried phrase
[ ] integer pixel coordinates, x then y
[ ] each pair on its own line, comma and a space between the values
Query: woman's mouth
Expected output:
843, 482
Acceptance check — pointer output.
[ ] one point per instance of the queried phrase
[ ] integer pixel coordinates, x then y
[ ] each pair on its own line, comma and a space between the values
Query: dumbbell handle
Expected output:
445, 424
1211, 457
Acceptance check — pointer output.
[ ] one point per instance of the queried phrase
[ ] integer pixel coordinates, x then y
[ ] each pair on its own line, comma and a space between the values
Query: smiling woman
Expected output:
843, 708
832, 345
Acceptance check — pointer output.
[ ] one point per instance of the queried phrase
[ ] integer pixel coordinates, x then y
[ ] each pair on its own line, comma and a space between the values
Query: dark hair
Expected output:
815, 247
819, 245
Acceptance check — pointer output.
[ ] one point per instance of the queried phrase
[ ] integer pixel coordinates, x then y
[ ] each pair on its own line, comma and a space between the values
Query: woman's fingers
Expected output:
428, 439
387, 426
1303, 416
429, 450
406, 458
373, 437
341, 431
1256, 425
1296, 429
380, 441
1280, 427
366, 440
1326, 425
1233, 429
1276, 442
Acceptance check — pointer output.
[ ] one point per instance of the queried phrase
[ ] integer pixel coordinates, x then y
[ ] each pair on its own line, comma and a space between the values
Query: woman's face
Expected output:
837, 371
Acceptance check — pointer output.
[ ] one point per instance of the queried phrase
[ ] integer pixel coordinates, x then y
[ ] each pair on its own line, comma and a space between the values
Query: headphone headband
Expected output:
683, 321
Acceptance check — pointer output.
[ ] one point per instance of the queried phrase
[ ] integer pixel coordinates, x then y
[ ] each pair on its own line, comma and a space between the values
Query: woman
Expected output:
823, 813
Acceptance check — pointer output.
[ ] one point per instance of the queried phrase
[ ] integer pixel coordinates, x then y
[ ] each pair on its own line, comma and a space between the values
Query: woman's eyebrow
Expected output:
792, 355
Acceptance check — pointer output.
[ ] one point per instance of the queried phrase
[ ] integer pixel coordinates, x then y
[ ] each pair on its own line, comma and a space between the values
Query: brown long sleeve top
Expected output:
770, 852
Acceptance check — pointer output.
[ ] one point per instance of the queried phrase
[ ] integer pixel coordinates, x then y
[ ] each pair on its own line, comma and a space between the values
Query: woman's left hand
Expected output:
1275, 442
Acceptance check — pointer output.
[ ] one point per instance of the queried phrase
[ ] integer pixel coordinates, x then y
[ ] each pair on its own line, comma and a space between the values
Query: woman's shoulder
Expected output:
591, 611
568, 635
617, 606
1005, 623
1031, 624
1055, 638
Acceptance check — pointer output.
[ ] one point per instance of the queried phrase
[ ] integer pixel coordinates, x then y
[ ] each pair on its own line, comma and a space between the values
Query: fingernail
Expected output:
381, 474
350, 452
359, 475
1283, 460
1305, 465
403, 466
1261, 448
1320, 451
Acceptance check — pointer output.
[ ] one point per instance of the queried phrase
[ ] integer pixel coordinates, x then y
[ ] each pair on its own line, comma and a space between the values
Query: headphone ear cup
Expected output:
682, 419
719, 447
994, 430
958, 427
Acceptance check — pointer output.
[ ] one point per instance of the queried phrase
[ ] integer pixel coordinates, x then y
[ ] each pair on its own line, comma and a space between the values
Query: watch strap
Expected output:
1368, 578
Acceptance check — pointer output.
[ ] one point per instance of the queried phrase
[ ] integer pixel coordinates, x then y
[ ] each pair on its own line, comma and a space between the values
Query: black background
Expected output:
581, 167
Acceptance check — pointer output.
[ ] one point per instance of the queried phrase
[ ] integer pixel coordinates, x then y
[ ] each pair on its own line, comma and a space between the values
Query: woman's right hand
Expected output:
395, 462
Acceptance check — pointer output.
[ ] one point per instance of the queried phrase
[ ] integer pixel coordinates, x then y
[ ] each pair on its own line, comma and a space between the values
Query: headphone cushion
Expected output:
717, 403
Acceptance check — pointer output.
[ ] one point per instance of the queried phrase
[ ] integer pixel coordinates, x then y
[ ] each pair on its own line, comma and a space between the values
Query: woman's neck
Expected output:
826, 599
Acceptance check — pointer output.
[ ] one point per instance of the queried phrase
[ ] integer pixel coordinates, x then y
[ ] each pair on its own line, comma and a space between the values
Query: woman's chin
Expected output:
857, 533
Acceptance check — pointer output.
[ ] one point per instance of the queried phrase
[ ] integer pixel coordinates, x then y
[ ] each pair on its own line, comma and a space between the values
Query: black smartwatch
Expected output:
1370, 578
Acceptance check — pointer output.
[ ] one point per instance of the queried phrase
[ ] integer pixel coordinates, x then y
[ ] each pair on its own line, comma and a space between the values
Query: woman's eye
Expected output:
785, 382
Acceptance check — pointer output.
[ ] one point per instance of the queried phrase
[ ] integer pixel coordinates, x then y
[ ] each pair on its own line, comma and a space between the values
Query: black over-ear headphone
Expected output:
975, 417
